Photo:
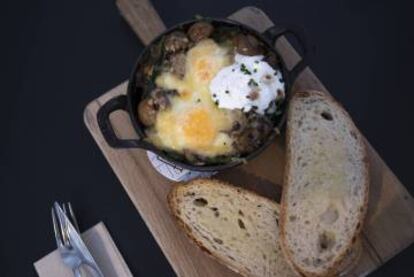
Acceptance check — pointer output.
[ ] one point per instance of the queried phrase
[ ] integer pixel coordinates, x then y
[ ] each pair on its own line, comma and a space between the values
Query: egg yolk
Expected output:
198, 129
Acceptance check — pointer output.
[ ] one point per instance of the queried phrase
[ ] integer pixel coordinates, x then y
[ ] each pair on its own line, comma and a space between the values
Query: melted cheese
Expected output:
194, 122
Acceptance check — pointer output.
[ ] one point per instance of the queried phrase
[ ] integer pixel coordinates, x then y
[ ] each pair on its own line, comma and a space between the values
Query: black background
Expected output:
59, 55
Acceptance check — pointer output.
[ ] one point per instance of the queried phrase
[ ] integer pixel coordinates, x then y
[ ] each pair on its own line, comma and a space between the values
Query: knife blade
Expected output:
77, 243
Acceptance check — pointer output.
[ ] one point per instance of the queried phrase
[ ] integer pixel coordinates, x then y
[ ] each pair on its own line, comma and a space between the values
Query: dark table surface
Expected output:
59, 55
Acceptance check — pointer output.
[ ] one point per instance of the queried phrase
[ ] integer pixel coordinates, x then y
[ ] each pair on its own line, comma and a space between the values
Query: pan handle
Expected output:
275, 32
104, 123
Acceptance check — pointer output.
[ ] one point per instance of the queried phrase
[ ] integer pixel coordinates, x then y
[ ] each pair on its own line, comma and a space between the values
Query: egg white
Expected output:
233, 85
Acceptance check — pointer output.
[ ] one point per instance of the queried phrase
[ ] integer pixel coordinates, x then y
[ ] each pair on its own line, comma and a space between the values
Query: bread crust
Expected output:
172, 197
351, 260
335, 265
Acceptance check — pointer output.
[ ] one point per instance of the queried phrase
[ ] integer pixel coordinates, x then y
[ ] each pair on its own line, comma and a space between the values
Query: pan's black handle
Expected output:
276, 31
114, 104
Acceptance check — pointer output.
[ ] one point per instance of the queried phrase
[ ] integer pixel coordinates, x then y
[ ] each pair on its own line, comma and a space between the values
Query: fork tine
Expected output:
67, 209
72, 215
62, 224
64, 208
56, 228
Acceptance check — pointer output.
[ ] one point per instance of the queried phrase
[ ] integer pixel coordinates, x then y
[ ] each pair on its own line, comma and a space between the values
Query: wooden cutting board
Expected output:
389, 226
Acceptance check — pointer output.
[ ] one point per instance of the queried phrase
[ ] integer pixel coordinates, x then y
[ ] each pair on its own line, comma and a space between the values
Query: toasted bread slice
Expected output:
326, 185
237, 227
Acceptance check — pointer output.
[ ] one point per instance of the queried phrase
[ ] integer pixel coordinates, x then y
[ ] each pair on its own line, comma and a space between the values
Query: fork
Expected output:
68, 210
71, 255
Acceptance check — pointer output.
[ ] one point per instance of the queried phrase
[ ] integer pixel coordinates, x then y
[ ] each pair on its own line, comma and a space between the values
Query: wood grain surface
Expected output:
142, 17
389, 226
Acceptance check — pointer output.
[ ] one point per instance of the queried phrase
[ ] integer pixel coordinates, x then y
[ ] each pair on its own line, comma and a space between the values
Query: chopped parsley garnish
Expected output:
256, 61
244, 69
252, 82
255, 70
227, 91
198, 100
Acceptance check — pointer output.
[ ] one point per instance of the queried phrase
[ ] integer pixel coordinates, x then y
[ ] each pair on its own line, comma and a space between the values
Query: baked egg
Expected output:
211, 94
194, 122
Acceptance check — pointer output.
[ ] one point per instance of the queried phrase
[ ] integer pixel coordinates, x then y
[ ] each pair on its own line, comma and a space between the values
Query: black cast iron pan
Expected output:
129, 102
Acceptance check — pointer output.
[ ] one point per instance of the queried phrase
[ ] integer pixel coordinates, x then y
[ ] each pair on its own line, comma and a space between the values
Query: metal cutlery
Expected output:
72, 249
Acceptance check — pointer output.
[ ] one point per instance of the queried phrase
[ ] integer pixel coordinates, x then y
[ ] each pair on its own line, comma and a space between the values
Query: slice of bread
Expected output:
351, 259
325, 194
237, 227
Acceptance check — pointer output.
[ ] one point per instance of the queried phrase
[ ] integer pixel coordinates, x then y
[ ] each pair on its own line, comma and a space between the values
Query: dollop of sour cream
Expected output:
249, 83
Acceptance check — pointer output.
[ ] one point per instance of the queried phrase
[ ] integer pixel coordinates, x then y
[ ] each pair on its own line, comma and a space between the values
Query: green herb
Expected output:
244, 69
156, 57
253, 83
254, 70
227, 91
219, 159
198, 100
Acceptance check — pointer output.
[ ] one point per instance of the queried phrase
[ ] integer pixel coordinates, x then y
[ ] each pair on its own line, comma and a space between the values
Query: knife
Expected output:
76, 252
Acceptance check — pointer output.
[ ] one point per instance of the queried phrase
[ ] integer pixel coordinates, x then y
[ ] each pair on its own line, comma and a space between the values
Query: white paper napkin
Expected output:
103, 249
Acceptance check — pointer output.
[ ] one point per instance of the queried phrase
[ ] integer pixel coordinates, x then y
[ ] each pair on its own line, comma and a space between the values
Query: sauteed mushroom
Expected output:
149, 107
239, 123
272, 59
200, 30
147, 112
161, 99
177, 63
253, 135
247, 45
176, 41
